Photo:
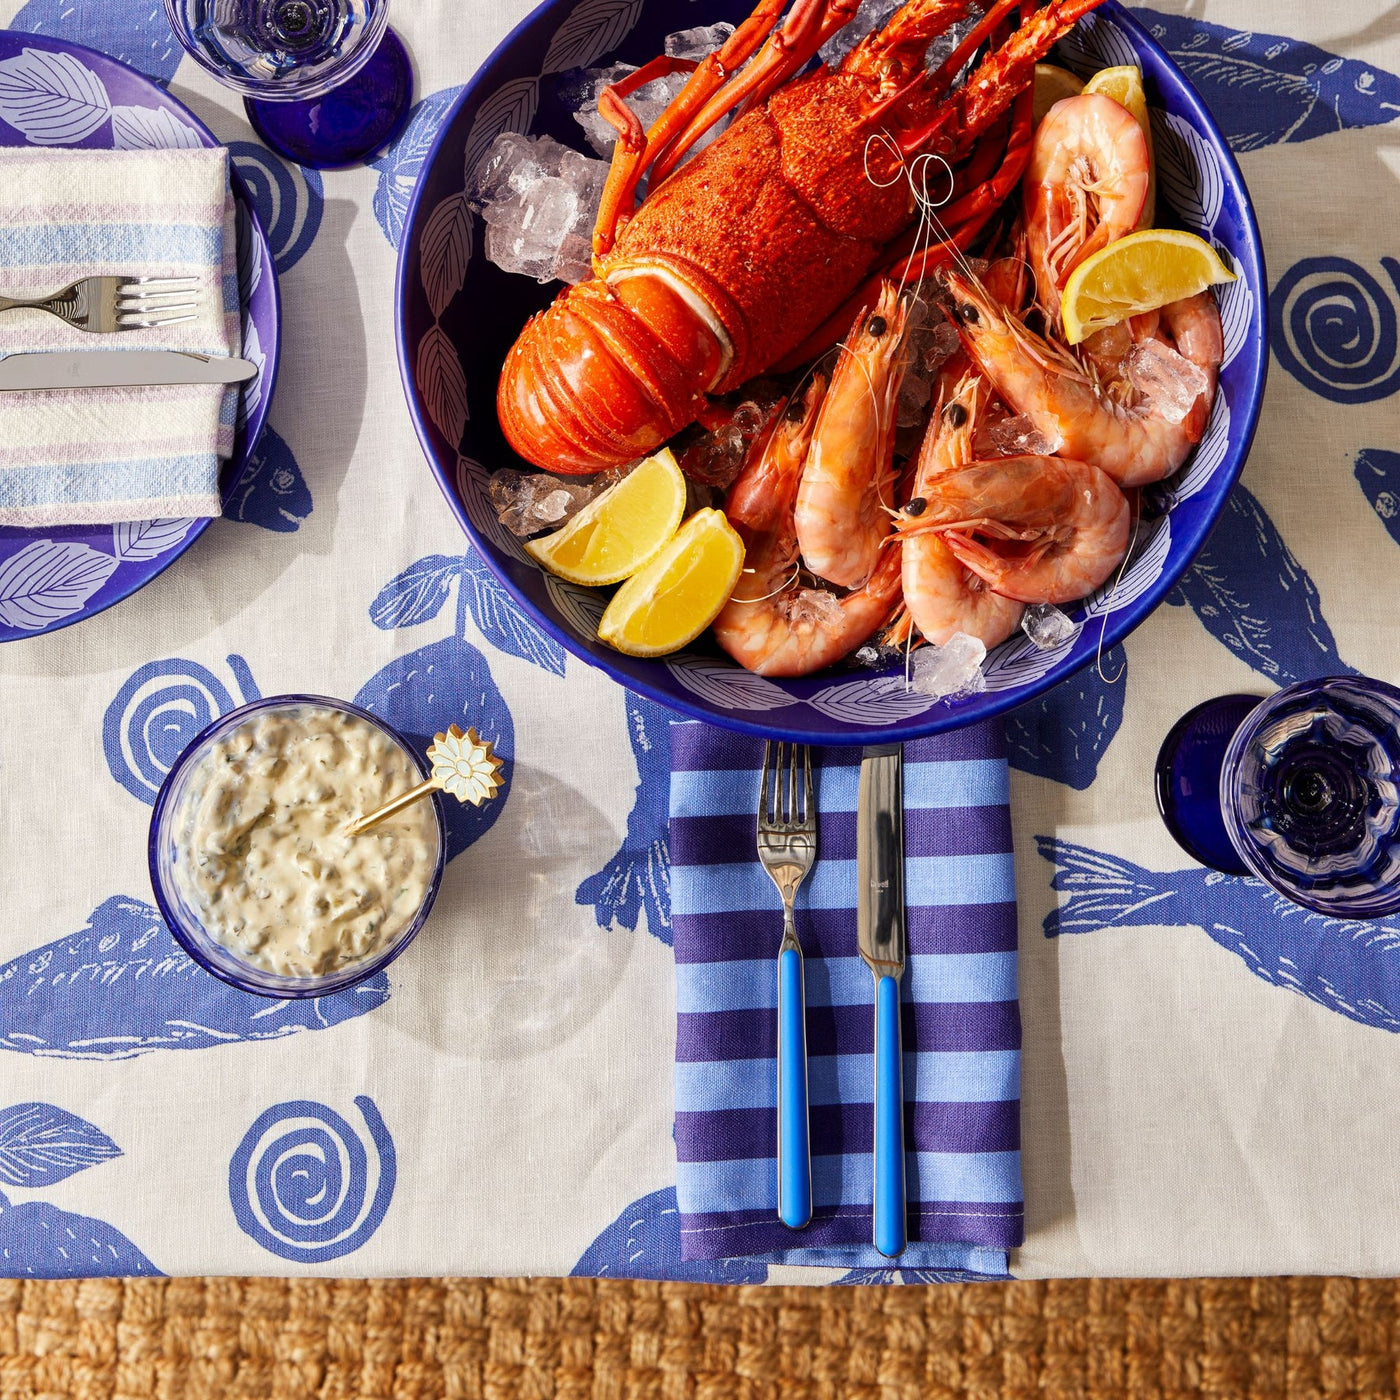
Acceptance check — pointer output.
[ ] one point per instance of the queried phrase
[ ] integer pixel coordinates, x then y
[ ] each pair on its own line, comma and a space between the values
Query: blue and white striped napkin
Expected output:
961, 1017
97, 456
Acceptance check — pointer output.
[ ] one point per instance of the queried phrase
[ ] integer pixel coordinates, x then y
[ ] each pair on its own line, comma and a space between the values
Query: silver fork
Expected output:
787, 846
105, 304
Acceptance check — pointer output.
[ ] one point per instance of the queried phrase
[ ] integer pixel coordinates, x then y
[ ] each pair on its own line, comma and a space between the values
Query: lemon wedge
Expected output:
1124, 86
1138, 272
1052, 84
671, 600
616, 533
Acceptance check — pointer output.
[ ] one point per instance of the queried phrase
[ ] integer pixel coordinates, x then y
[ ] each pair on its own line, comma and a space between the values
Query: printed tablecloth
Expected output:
1207, 1075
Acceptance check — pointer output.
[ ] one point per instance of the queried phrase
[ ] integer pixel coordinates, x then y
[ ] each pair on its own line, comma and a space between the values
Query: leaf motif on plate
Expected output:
151, 129
591, 30
581, 608
725, 684
41, 1144
49, 580
252, 350
445, 251
871, 700
1019, 662
1149, 557
1209, 454
50, 98
1094, 43
500, 620
443, 384
400, 166
416, 594
1236, 301
147, 539
511, 108
476, 501
1188, 172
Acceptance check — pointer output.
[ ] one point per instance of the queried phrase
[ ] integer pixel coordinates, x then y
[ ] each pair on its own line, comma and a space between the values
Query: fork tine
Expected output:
155, 301
809, 807
792, 817
147, 323
172, 283
763, 812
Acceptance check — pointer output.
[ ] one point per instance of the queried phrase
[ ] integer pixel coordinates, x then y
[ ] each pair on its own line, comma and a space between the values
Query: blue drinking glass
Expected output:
326, 83
1301, 790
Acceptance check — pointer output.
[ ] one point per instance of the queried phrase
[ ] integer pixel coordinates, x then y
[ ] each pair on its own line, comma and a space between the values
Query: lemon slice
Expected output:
1052, 85
678, 594
1124, 86
1138, 272
618, 531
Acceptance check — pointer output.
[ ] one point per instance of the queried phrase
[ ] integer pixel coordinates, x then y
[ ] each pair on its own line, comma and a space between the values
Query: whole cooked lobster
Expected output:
760, 246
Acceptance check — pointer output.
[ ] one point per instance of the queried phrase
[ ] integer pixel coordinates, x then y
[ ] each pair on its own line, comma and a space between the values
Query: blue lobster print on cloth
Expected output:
40, 1145
306, 1186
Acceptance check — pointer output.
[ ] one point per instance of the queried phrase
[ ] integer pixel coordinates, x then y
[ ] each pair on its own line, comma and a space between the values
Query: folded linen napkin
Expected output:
961, 1017
96, 456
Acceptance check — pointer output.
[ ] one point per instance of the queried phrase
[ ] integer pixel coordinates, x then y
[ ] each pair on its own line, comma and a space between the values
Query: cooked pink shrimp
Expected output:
1038, 529
941, 595
771, 624
847, 490
1131, 439
1085, 185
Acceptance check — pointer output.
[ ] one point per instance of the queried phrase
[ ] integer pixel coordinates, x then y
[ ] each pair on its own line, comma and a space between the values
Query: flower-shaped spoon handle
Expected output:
464, 765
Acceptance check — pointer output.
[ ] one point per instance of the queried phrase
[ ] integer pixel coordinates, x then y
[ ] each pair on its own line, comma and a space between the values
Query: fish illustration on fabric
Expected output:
1377, 472
122, 986
1268, 88
40, 1145
272, 492
1063, 734
1349, 966
638, 877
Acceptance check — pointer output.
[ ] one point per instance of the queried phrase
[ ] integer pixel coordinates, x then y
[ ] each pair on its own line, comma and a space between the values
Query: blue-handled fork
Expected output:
787, 846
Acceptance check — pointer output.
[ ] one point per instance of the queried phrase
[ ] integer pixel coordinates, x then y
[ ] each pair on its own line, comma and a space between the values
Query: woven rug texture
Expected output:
566, 1339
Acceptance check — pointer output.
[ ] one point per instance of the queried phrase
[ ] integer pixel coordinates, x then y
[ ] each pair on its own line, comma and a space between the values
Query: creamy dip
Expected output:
263, 857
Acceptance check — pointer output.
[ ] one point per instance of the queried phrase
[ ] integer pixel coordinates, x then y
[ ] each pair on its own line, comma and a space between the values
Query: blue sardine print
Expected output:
134, 31
272, 491
1266, 88
1064, 733
1349, 966
1251, 594
639, 876
122, 987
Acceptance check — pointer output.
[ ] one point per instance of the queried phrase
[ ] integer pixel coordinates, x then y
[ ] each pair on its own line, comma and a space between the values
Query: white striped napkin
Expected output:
97, 456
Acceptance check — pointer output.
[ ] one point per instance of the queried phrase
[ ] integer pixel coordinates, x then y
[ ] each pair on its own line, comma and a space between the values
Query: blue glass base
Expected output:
349, 124
1188, 780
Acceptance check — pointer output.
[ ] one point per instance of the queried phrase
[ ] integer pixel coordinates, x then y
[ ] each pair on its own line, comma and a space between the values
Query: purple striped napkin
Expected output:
962, 1025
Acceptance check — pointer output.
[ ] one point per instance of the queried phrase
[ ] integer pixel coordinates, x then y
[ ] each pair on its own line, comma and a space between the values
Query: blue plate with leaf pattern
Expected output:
53, 93
458, 314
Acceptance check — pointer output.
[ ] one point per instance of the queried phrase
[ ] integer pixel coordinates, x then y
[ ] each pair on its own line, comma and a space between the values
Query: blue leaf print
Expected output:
41, 1144
401, 164
300, 1180
41, 1241
289, 199
1251, 594
448, 682
500, 620
49, 580
1350, 967
639, 876
1064, 733
50, 98
122, 986
645, 1242
1378, 474
1266, 88
134, 31
272, 492
417, 594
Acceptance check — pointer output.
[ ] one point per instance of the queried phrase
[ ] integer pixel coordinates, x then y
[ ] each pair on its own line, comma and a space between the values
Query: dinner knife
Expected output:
119, 369
880, 929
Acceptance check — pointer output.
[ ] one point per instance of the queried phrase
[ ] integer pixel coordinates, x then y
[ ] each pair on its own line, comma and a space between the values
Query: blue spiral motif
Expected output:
299, 1182
289, 200
1333, 327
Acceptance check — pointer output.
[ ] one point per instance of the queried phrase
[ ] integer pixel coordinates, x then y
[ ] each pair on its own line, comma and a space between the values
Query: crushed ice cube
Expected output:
816, 608
935, 344
1047, 626
1017, 436
871, 16
528, 502
877, 655
696, 43
951, 671
717, 457
1167, 380
912, 407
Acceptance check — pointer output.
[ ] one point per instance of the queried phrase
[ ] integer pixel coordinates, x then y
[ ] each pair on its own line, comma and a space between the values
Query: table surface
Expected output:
504, 1099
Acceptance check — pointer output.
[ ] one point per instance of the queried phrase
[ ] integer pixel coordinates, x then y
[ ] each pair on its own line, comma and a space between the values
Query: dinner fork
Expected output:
105, 304
787, 846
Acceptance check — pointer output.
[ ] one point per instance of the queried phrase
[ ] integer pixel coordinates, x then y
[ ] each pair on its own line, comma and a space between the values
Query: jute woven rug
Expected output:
503, 1339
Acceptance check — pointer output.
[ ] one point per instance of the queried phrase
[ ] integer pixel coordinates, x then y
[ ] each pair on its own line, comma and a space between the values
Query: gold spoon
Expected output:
464, 765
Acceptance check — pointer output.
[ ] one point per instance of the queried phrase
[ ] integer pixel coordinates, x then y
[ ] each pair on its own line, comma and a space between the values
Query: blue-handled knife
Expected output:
880, 928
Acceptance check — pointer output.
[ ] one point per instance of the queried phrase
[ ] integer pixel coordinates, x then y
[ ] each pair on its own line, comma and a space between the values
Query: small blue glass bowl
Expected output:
182, 921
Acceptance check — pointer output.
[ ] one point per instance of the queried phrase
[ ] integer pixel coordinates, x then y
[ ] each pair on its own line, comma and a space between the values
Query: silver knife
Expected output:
119, 369
880, 928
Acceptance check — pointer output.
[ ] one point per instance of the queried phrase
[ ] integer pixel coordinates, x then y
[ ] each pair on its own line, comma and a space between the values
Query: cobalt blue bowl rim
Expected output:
936, 720
268, 984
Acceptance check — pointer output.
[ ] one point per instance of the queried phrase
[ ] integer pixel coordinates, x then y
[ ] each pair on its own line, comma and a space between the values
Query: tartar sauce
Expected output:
263, 858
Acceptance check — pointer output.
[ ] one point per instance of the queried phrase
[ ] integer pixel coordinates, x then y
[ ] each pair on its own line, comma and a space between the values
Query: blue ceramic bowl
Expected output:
183, 922
458, 314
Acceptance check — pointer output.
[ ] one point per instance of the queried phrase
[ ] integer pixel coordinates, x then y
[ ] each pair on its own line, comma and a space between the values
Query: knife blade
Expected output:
119, 369
881, 934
